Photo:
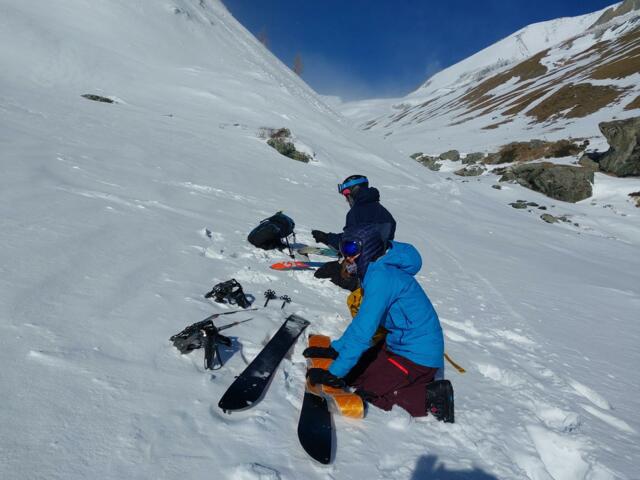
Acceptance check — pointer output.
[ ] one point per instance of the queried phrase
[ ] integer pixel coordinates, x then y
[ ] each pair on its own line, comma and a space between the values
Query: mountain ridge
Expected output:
587, 59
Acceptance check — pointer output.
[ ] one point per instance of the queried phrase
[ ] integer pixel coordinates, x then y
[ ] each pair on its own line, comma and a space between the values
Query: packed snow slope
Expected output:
549, 80
104, 255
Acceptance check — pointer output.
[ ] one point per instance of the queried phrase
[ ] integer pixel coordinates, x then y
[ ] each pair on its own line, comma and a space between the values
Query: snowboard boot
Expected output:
440, 400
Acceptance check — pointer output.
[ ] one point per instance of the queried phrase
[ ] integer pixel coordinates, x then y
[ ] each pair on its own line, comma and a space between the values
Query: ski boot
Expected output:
440, 400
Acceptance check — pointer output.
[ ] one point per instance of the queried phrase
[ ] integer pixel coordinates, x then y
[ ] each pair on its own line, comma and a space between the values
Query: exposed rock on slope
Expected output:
623, 158
562, 182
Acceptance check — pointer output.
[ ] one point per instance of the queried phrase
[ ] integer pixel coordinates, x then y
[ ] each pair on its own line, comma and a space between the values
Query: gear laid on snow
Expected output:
249, 387
285, 299
315, 428
231, 291
269, 295
271, 232
206, 334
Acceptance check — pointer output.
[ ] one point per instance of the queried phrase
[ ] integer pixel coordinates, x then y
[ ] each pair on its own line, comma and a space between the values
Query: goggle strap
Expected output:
351, 183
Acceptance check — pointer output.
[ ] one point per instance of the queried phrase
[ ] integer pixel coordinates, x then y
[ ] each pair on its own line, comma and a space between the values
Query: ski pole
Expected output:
224, 327
216, 315
269, 295
285, 299
454, 364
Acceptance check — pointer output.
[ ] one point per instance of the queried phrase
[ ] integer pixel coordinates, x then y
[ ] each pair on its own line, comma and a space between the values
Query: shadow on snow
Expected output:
427, 469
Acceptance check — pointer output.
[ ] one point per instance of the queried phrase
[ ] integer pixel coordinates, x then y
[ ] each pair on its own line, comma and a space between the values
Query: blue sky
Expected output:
386, 48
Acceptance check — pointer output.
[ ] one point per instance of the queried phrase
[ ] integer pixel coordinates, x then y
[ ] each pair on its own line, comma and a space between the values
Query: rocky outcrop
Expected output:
97, 98
281, 140
549, 218
562, 182
471, 171
430, 162
635, 196
453, 155
472, 158
534, 150
623, 157
626, 7
589, 163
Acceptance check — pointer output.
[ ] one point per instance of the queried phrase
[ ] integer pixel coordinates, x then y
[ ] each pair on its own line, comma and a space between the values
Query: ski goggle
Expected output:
343, 187
350, 248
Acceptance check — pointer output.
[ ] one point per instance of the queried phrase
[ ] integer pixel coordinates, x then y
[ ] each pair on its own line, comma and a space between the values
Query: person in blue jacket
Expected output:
365, 208
400, 370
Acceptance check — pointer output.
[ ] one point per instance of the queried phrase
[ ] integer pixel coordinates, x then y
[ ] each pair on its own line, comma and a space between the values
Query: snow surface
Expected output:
105, 254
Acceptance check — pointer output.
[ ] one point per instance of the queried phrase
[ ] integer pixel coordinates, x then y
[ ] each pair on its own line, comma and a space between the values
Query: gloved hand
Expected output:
319, 236
320, 352
324, 377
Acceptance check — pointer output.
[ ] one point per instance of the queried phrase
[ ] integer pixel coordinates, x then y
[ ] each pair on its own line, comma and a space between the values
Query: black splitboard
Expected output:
315, 430
250, 386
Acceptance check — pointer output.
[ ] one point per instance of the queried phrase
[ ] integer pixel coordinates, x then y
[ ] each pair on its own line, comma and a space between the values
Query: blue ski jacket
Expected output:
367, 209
394, 300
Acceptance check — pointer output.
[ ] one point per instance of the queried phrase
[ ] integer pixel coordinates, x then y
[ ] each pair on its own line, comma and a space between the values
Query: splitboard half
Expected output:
324, 251
315, 429
251, 384
295, 265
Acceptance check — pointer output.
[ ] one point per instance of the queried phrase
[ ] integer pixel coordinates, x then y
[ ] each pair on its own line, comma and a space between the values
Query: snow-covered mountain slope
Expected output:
103, 255
551, 79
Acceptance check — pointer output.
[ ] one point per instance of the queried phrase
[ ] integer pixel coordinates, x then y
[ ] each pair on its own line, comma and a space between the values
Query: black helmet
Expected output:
352, 184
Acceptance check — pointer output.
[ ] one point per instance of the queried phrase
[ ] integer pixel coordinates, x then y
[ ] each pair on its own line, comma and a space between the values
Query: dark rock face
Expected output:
534, 150
97, 98
471, 171
626, 7
473, 158
520, 204
430, 162
587, 162
623, 156
549, 218
562, 182
280, 139
453, 155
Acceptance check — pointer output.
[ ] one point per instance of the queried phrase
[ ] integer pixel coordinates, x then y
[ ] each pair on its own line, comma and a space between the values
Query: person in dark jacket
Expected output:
399, 370
366, 209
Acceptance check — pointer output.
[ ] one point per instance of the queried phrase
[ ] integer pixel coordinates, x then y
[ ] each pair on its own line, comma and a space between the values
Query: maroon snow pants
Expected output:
386, 379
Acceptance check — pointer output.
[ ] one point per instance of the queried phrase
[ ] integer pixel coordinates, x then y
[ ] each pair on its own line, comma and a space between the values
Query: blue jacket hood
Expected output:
403, 256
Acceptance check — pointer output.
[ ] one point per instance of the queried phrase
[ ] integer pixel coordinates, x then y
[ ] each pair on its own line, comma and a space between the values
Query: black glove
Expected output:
319, 236
324, 377
320, 352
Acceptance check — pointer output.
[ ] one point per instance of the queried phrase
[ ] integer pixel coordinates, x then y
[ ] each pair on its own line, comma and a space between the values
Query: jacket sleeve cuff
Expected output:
338, 369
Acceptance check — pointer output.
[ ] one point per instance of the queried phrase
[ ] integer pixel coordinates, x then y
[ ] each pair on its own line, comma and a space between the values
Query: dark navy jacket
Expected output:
367, 209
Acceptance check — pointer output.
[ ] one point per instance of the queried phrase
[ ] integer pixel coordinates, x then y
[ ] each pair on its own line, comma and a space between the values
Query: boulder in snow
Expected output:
623, 156
471, 171
562, 182
453, 155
